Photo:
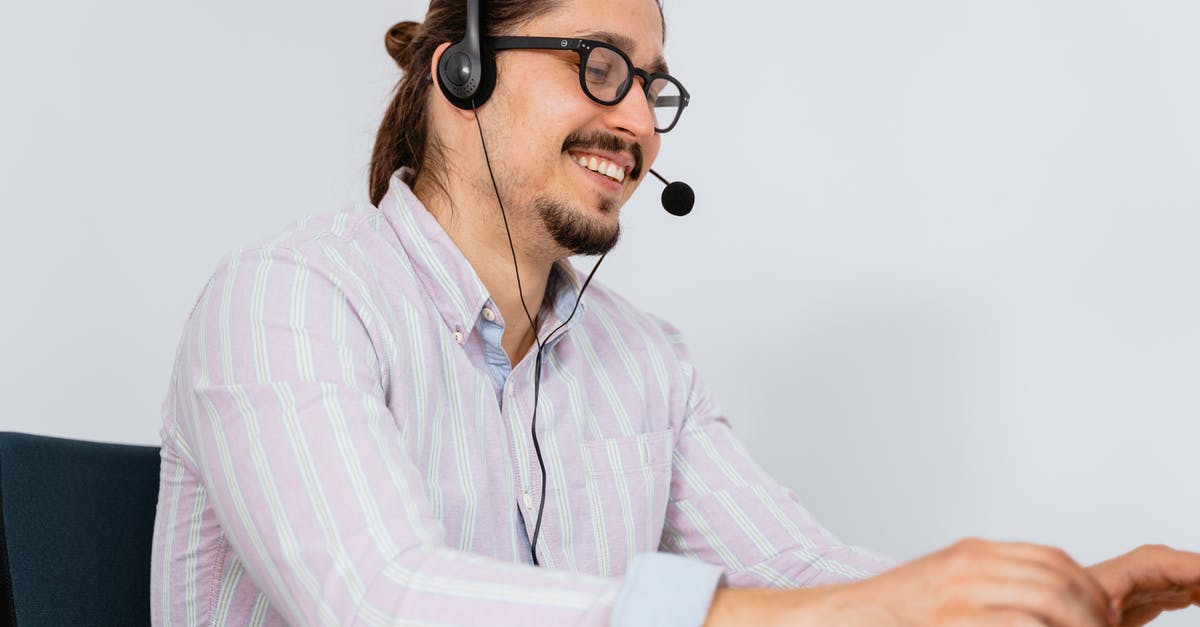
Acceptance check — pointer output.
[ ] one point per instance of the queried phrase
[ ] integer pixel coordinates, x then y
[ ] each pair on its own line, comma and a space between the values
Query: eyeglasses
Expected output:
606, 75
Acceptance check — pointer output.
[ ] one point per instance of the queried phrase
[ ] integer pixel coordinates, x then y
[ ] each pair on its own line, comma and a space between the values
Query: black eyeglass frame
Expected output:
584, 48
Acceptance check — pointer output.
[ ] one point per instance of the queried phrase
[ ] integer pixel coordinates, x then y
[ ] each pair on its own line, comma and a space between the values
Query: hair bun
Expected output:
398, 40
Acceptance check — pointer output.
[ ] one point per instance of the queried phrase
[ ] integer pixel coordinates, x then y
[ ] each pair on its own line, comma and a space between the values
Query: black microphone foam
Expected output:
678, 197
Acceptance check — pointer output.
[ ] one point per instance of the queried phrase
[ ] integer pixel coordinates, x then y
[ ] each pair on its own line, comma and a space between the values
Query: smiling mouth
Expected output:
600, 166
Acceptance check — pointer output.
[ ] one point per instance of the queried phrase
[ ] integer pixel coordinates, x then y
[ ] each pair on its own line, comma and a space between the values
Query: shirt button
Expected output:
458, 337
509, 388
528, 500
489, 315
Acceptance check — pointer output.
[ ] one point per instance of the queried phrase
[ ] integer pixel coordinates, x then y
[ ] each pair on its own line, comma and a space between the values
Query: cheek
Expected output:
542, 98
650, 149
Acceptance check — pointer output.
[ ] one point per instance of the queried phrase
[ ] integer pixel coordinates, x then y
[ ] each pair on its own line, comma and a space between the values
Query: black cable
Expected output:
537, 380
503, 214
541, 344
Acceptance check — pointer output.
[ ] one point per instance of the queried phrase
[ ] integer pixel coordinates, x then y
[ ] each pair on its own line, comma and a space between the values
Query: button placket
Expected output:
527, 473
511, 416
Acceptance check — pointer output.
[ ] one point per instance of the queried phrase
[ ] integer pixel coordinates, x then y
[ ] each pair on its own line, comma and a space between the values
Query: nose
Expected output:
632, 116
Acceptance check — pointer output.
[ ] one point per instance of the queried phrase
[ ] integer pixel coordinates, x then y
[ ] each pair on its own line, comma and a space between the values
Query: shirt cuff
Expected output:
665, 589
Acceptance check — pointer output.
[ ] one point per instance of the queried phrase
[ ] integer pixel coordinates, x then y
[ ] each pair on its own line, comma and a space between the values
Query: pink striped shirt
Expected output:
342, 445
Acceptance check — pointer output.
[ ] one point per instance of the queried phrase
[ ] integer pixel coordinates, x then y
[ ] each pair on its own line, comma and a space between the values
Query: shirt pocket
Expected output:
644, 452
627, 483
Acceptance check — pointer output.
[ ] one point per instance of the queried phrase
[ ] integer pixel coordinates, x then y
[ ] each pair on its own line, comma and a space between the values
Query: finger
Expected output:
1180, 568
1038, 593
1163, 600
1151, 579
1146, 607
1057, 561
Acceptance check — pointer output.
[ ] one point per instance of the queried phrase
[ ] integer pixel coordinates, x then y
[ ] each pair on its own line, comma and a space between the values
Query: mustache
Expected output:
611, 143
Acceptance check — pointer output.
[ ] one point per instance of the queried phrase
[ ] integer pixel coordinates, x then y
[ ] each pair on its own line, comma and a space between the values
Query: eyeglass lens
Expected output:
607, 76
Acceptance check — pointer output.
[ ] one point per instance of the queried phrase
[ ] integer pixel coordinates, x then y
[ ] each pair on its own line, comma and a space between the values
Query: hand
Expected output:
1148, 581
980, 583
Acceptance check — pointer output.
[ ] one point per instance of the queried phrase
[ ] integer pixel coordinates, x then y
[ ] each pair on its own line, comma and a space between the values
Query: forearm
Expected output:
450, 587
767, 607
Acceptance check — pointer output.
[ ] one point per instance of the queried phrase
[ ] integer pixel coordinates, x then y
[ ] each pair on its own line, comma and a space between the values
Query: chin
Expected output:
581, 232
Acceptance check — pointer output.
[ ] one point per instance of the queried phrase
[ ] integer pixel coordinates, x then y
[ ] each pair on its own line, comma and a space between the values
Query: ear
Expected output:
437, 82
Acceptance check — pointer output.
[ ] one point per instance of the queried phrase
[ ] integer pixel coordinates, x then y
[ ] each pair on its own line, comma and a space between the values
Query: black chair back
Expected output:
76, 524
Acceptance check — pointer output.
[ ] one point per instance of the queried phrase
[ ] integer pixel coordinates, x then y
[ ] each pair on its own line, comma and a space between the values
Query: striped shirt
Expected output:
345, 443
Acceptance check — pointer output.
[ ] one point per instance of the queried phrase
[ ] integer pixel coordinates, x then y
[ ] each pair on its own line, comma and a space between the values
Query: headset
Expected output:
467, 76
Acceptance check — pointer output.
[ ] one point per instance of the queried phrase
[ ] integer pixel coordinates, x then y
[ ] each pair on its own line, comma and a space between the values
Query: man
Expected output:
362, 408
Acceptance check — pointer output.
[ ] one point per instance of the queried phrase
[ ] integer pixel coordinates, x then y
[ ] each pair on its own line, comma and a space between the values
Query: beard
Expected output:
575, 232
571, 229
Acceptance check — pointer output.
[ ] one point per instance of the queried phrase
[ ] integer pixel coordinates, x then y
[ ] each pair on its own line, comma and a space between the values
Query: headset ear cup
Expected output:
456, 69
463, 76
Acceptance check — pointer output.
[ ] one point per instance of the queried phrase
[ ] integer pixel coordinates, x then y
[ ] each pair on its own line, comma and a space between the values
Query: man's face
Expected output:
544, 132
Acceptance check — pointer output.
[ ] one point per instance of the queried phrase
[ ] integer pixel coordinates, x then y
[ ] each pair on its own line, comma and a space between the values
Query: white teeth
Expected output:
600, 166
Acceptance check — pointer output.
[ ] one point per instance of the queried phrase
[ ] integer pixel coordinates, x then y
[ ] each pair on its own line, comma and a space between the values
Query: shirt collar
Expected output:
563, 287
446, 275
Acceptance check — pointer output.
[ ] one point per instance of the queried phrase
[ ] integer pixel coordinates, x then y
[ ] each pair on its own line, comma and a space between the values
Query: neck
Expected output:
477, 228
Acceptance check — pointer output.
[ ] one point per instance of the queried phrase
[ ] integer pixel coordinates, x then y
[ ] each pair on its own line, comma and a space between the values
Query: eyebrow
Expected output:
626, 43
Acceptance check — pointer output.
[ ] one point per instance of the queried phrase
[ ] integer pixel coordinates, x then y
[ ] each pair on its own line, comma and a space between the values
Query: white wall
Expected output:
942, 270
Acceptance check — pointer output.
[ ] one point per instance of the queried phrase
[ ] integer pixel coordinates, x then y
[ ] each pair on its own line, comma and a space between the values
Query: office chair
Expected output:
76, 520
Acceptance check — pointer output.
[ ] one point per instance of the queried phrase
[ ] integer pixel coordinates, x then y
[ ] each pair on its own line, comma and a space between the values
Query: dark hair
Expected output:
404, 139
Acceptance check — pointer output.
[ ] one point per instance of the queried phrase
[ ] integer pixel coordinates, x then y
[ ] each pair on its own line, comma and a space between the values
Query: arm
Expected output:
725, 509
282, 412
973, 582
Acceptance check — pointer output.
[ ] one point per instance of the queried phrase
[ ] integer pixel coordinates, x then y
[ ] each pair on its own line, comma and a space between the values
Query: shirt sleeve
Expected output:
665, 590
281, 411
726, 510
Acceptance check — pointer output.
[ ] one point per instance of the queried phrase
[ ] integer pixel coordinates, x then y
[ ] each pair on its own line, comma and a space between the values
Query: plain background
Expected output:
941, 273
